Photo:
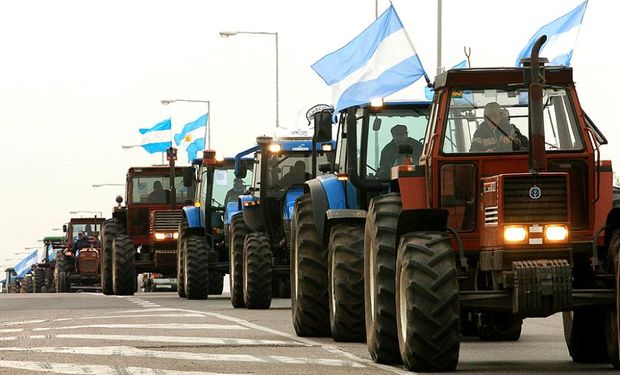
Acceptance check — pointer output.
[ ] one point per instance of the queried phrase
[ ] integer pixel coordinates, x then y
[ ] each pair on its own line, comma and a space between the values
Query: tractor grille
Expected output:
550, 207
167, 220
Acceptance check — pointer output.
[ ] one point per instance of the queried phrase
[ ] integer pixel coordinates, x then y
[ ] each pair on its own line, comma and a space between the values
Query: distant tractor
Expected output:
260, 229
153, 282
142, 235
202, 242
11, 282
77, 266
43, 272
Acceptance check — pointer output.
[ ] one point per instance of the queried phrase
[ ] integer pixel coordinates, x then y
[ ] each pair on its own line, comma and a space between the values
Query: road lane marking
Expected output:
71, 368
329, 348
11, 330
127, 351
24, 322
212, 341
185, 315
157, 309
179, 326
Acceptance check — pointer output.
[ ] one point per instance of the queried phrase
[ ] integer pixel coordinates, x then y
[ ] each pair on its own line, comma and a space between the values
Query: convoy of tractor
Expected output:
434, 220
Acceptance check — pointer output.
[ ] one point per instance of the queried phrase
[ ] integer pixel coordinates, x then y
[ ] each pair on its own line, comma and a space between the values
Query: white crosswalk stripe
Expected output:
127, 351
169, 326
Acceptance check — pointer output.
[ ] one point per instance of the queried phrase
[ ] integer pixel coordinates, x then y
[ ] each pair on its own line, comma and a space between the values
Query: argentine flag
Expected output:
561, 38
192, 137
157, 138
24, 266
378, 62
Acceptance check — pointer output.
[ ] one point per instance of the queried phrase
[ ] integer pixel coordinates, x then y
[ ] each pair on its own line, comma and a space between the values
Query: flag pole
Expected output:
439, 36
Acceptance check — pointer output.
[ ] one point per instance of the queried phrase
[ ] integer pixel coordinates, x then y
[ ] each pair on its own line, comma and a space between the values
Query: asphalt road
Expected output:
159, 333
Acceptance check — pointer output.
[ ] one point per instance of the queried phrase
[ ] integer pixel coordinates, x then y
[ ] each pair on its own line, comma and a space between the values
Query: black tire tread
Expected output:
110, 230
346, 286
123, 266
309, 299
196, 267
238, 230
427, 265
257, 271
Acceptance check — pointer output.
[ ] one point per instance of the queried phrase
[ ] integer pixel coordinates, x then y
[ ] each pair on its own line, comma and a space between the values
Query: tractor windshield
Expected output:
89, 229
156, 190
286, 169
226, 187
496, 120
388, 129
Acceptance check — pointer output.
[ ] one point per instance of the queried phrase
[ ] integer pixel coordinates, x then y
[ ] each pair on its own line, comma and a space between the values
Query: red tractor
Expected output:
142, 235
77, 266
505, 214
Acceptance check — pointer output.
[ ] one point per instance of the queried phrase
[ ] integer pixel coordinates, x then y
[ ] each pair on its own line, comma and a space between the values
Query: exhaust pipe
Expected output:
536, 124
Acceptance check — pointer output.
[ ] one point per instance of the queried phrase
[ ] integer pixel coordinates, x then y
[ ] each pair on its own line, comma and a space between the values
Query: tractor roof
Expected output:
86, 220
488, 77
152, 170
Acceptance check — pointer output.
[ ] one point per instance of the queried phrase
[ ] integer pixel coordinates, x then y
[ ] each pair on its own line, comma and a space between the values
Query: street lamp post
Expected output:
207, 126
226, 34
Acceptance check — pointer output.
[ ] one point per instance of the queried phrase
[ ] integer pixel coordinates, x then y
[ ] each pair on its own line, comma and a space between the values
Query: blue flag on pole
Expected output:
24, 266
561, 38
193, 136
157, 138
378, 62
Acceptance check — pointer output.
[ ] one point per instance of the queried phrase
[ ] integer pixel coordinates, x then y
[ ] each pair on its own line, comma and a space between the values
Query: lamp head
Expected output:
226, 34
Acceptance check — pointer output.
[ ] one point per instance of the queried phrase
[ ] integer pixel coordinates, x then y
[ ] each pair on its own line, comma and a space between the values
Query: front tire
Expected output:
585, 335
427, 302
123, 266
346, 283
612, 318
238, 230
257, 271
196, 267
379, 278
309, 295
39, 280
60, 274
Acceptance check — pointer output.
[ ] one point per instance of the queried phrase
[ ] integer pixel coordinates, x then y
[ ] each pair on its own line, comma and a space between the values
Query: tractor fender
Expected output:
192, 214
289, 202
421, 220
231, 209
342, 215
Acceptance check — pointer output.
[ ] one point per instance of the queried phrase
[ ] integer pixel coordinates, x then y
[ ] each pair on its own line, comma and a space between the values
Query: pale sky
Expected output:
79, 78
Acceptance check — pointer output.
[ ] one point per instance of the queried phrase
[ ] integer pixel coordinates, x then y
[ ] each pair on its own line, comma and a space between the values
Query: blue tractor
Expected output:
327, 256
259, 228
203, 252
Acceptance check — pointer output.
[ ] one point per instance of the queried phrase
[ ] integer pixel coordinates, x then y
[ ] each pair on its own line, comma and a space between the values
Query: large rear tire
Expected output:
257, 271
196, 267
60, 274
612, 317
584, 332
26, 286
123, 266
216, 283
110, 230
379, 278
309, 295
39, 280
346, 283
427, 302
238, 230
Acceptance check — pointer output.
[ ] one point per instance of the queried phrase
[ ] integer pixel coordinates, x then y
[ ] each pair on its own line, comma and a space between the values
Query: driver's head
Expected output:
399, 133
300, 166
493, 112
238, 184
80, 235
157, 185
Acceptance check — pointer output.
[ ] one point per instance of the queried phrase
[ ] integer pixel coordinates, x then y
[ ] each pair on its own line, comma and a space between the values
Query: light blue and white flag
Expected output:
192, 137
378, 62
561, 38
24, 266
157, 138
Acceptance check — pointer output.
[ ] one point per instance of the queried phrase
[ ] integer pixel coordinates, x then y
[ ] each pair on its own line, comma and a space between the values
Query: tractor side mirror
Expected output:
323, 126
376, 124
188, 176
119, 199
64, 228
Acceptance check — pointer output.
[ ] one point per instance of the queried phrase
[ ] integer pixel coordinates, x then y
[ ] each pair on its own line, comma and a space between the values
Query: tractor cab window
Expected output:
496, 121
227, 187
387, 129
89, 229
156, 190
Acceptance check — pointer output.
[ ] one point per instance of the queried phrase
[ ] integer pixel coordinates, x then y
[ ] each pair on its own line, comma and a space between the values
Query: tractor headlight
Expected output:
327, 147
275, 148
515, 233
556, 233
160, 236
